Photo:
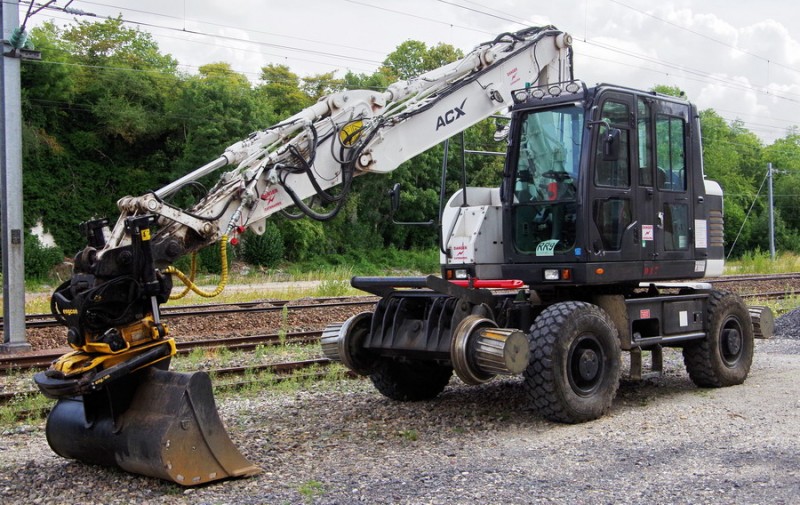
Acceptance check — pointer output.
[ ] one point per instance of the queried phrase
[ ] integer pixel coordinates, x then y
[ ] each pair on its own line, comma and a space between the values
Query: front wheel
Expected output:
724, 357
574, 370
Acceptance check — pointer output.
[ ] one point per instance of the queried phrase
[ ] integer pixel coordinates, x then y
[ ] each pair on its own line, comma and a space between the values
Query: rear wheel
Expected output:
724, 357
574, 371
410, 381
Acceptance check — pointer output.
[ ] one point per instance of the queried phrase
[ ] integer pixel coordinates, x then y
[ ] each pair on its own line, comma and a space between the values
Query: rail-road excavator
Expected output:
551, 275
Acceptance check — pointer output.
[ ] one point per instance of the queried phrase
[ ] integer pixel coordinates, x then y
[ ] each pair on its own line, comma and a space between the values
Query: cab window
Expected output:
670, 153
613, 173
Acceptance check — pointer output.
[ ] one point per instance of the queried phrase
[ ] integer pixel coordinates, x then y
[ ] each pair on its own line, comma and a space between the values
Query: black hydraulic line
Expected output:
196, 216
442, 193
463, 171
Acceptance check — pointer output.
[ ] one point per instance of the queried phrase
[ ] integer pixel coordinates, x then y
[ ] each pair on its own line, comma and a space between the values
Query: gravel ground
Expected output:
665, 441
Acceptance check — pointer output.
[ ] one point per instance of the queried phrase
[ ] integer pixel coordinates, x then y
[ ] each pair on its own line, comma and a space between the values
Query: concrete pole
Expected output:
14, 339
771, 213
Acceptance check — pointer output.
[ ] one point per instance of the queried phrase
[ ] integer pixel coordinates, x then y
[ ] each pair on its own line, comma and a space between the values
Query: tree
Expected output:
109, 43
413, 57
214, 109
94, 122
407, 61
665, 89
317, 86
281, 88
784, 154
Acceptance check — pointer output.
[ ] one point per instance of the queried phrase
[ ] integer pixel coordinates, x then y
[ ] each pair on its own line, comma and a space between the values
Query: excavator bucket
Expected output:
155, 422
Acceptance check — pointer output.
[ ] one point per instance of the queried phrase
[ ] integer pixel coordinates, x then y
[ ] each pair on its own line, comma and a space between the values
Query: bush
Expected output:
263, 250
209, 259
303, 239
39, 259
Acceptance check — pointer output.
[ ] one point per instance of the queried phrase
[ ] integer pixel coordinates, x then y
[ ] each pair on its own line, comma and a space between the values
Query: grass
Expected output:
240, 288
310, 490
410, 435
24, 408
759, 262
779, 307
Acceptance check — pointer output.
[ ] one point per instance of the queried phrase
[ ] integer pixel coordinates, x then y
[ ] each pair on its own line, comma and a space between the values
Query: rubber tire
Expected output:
711, 362
410, 381
558, 338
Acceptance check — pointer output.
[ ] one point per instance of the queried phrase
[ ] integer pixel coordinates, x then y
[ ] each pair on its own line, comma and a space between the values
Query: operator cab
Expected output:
605, 186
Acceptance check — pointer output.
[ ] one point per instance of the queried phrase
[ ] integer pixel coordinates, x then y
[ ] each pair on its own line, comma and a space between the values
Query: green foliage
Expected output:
209, 260
412, 58
107, 114
302, 239
263, 250
39, 259
282, 88
410, 435
320, 85
760, 262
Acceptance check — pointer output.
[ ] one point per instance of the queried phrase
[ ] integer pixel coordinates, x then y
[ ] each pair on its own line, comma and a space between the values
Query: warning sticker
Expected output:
700, 234
350, 133
647, 232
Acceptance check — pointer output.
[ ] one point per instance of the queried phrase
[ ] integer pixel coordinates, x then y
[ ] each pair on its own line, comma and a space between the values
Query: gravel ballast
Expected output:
664, 441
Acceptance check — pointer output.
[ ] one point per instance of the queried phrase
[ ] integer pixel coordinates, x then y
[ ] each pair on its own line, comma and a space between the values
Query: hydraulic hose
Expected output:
189, 282
188, 287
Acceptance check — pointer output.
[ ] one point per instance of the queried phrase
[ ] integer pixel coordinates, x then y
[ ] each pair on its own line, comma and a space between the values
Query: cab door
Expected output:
672, 202
613, 231
646, 174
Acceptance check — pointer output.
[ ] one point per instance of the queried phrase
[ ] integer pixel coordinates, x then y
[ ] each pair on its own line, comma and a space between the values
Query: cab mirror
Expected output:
394, 196
611, 144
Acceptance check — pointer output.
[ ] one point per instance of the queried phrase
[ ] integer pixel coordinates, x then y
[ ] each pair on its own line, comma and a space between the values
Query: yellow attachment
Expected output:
79, 362
135, 334
189, 280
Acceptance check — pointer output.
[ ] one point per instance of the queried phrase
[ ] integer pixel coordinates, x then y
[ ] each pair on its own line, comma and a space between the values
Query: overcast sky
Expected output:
740, 58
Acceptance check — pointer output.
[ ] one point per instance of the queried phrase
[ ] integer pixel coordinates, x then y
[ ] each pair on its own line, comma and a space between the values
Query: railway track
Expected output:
214, 309
217, 309
243, 343
754, 278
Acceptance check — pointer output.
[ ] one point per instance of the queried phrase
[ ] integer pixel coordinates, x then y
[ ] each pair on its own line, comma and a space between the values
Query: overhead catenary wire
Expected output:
496, 13
744, 221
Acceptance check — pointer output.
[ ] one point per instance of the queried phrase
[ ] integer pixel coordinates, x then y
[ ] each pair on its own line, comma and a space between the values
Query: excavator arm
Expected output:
114, 387
344, 135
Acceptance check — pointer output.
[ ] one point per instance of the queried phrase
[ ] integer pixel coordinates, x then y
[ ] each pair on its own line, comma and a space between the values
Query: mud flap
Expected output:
156, 423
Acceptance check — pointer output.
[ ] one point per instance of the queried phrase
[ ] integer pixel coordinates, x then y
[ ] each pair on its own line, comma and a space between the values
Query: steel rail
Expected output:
48, 320
242, 343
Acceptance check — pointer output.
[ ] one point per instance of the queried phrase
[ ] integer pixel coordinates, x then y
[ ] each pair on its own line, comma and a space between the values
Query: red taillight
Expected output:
492, 283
